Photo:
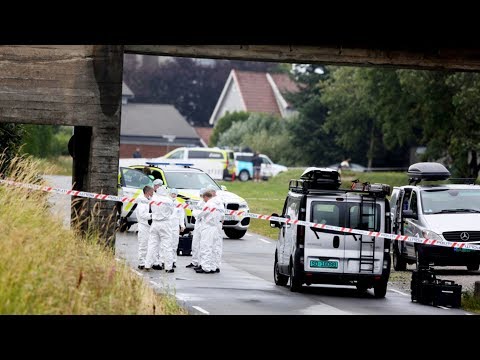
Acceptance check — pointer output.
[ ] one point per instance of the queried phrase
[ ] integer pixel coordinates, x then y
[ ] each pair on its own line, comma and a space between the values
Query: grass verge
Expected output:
268, 197
46, 269
470, 302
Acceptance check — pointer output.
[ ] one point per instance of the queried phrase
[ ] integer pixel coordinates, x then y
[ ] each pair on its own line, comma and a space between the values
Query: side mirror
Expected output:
409, 214
224, 188
275, 224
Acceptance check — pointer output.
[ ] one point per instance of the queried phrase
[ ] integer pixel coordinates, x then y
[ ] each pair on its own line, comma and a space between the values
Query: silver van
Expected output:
309, 255
448, 212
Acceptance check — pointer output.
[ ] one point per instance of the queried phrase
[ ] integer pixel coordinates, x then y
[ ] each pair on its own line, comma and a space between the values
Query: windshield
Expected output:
451, 201
189, 180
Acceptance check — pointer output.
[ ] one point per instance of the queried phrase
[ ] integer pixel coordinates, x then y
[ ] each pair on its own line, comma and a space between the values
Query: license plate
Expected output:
461, 250
230, 217
329, 264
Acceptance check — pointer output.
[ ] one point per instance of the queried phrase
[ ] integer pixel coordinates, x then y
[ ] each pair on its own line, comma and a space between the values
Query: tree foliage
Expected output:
225, 122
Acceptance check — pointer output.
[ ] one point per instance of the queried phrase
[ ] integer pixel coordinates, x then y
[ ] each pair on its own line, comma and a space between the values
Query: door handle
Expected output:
336, 241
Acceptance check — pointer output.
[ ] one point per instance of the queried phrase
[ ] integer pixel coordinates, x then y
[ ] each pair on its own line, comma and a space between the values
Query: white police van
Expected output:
437, 211
318, 256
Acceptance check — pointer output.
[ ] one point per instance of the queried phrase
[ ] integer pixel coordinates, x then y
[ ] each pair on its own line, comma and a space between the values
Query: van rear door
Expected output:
324, 249
364, 216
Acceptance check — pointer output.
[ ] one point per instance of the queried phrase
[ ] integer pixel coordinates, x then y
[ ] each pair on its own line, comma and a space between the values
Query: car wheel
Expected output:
280, 279
295, 282
399, 262
473, 267
244, 175
380, 289
234, 233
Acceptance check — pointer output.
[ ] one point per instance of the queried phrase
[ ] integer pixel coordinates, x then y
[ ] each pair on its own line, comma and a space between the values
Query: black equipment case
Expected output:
185, 245
428, 290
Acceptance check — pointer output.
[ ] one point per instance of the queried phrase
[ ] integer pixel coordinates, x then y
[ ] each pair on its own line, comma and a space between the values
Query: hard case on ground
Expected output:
185, 245
427, 289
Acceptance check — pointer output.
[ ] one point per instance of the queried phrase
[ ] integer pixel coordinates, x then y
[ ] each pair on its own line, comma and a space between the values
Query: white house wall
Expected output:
232, 101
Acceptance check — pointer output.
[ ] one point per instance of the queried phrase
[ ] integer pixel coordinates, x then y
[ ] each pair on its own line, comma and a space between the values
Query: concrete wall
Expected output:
76, 85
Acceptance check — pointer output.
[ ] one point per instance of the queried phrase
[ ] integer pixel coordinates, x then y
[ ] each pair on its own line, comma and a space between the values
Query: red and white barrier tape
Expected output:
414, 239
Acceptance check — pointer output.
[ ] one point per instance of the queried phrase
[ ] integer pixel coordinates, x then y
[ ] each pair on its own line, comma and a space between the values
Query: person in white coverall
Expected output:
160, 232
218, 241
210, 232
177, 222
197, 232
143, 216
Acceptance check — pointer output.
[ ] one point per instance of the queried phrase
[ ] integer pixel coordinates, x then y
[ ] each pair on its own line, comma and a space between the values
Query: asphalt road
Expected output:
245, 284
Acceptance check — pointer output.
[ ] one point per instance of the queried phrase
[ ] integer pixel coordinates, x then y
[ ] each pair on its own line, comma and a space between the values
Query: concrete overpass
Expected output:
81, 86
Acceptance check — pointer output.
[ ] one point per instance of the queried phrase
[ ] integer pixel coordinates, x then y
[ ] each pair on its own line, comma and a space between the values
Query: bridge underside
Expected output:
81, 86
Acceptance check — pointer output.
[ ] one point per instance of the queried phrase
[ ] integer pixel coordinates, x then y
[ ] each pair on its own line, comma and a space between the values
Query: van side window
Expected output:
413, 202
177, 155
200, 154
326, 213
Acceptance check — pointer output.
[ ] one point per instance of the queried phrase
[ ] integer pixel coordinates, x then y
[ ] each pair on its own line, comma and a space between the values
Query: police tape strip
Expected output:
413, 239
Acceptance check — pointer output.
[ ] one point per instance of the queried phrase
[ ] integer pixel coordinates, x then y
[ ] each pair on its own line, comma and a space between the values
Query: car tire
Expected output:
295, 282
244, 175
473, 267
280, 279
380, 289
399, 262
234, 233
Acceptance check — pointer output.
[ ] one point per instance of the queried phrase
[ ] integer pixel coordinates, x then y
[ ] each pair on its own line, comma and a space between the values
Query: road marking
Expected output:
268, 242
443, 307
248, 235
201, 310
153, 283
398, 292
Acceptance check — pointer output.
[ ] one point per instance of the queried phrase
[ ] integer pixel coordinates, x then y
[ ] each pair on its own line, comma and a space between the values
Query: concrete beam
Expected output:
361, 55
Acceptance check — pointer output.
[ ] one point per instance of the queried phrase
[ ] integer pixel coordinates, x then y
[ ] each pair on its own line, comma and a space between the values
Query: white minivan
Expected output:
218, 163
311, 255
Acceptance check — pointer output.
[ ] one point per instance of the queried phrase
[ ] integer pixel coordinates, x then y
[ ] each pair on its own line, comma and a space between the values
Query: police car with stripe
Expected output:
188, 181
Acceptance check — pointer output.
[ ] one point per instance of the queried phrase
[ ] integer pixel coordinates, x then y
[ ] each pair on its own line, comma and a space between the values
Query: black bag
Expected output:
428, 290
185, 245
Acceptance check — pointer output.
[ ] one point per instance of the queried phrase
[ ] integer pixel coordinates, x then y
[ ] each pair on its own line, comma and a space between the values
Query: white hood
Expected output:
226, 196
440, 223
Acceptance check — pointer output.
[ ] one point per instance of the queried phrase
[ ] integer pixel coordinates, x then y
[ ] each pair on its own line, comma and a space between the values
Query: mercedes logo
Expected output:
464, 236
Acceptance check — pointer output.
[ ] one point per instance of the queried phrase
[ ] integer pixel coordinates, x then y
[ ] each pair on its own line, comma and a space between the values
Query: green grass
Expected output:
470, 302
46, 269
268, 197
61, 165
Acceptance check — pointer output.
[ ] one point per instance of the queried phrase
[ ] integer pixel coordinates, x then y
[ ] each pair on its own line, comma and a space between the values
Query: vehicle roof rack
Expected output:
428, 171
167, 163
305, 187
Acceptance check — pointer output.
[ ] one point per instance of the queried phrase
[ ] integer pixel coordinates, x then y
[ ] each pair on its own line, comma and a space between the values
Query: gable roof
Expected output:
259, 92
154, 120
204, 133
256, 92
126, 90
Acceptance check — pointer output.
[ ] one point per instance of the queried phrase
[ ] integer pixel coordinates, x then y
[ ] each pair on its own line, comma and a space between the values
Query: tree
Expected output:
10, 141
193, 88
225, 122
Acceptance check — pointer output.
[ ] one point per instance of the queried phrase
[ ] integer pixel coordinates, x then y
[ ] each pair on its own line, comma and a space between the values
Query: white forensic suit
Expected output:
177, 221
218, 241
160, 232
211, 228
197, 233
143, 215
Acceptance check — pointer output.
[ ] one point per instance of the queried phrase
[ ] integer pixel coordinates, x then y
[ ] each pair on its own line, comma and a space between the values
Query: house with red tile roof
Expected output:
255, 92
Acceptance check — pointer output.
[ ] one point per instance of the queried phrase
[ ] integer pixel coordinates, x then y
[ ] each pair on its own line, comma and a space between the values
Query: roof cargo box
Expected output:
322, 178
429, 171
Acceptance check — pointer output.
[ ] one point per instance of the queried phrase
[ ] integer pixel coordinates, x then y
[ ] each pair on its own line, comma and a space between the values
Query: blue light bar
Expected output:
168, 163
